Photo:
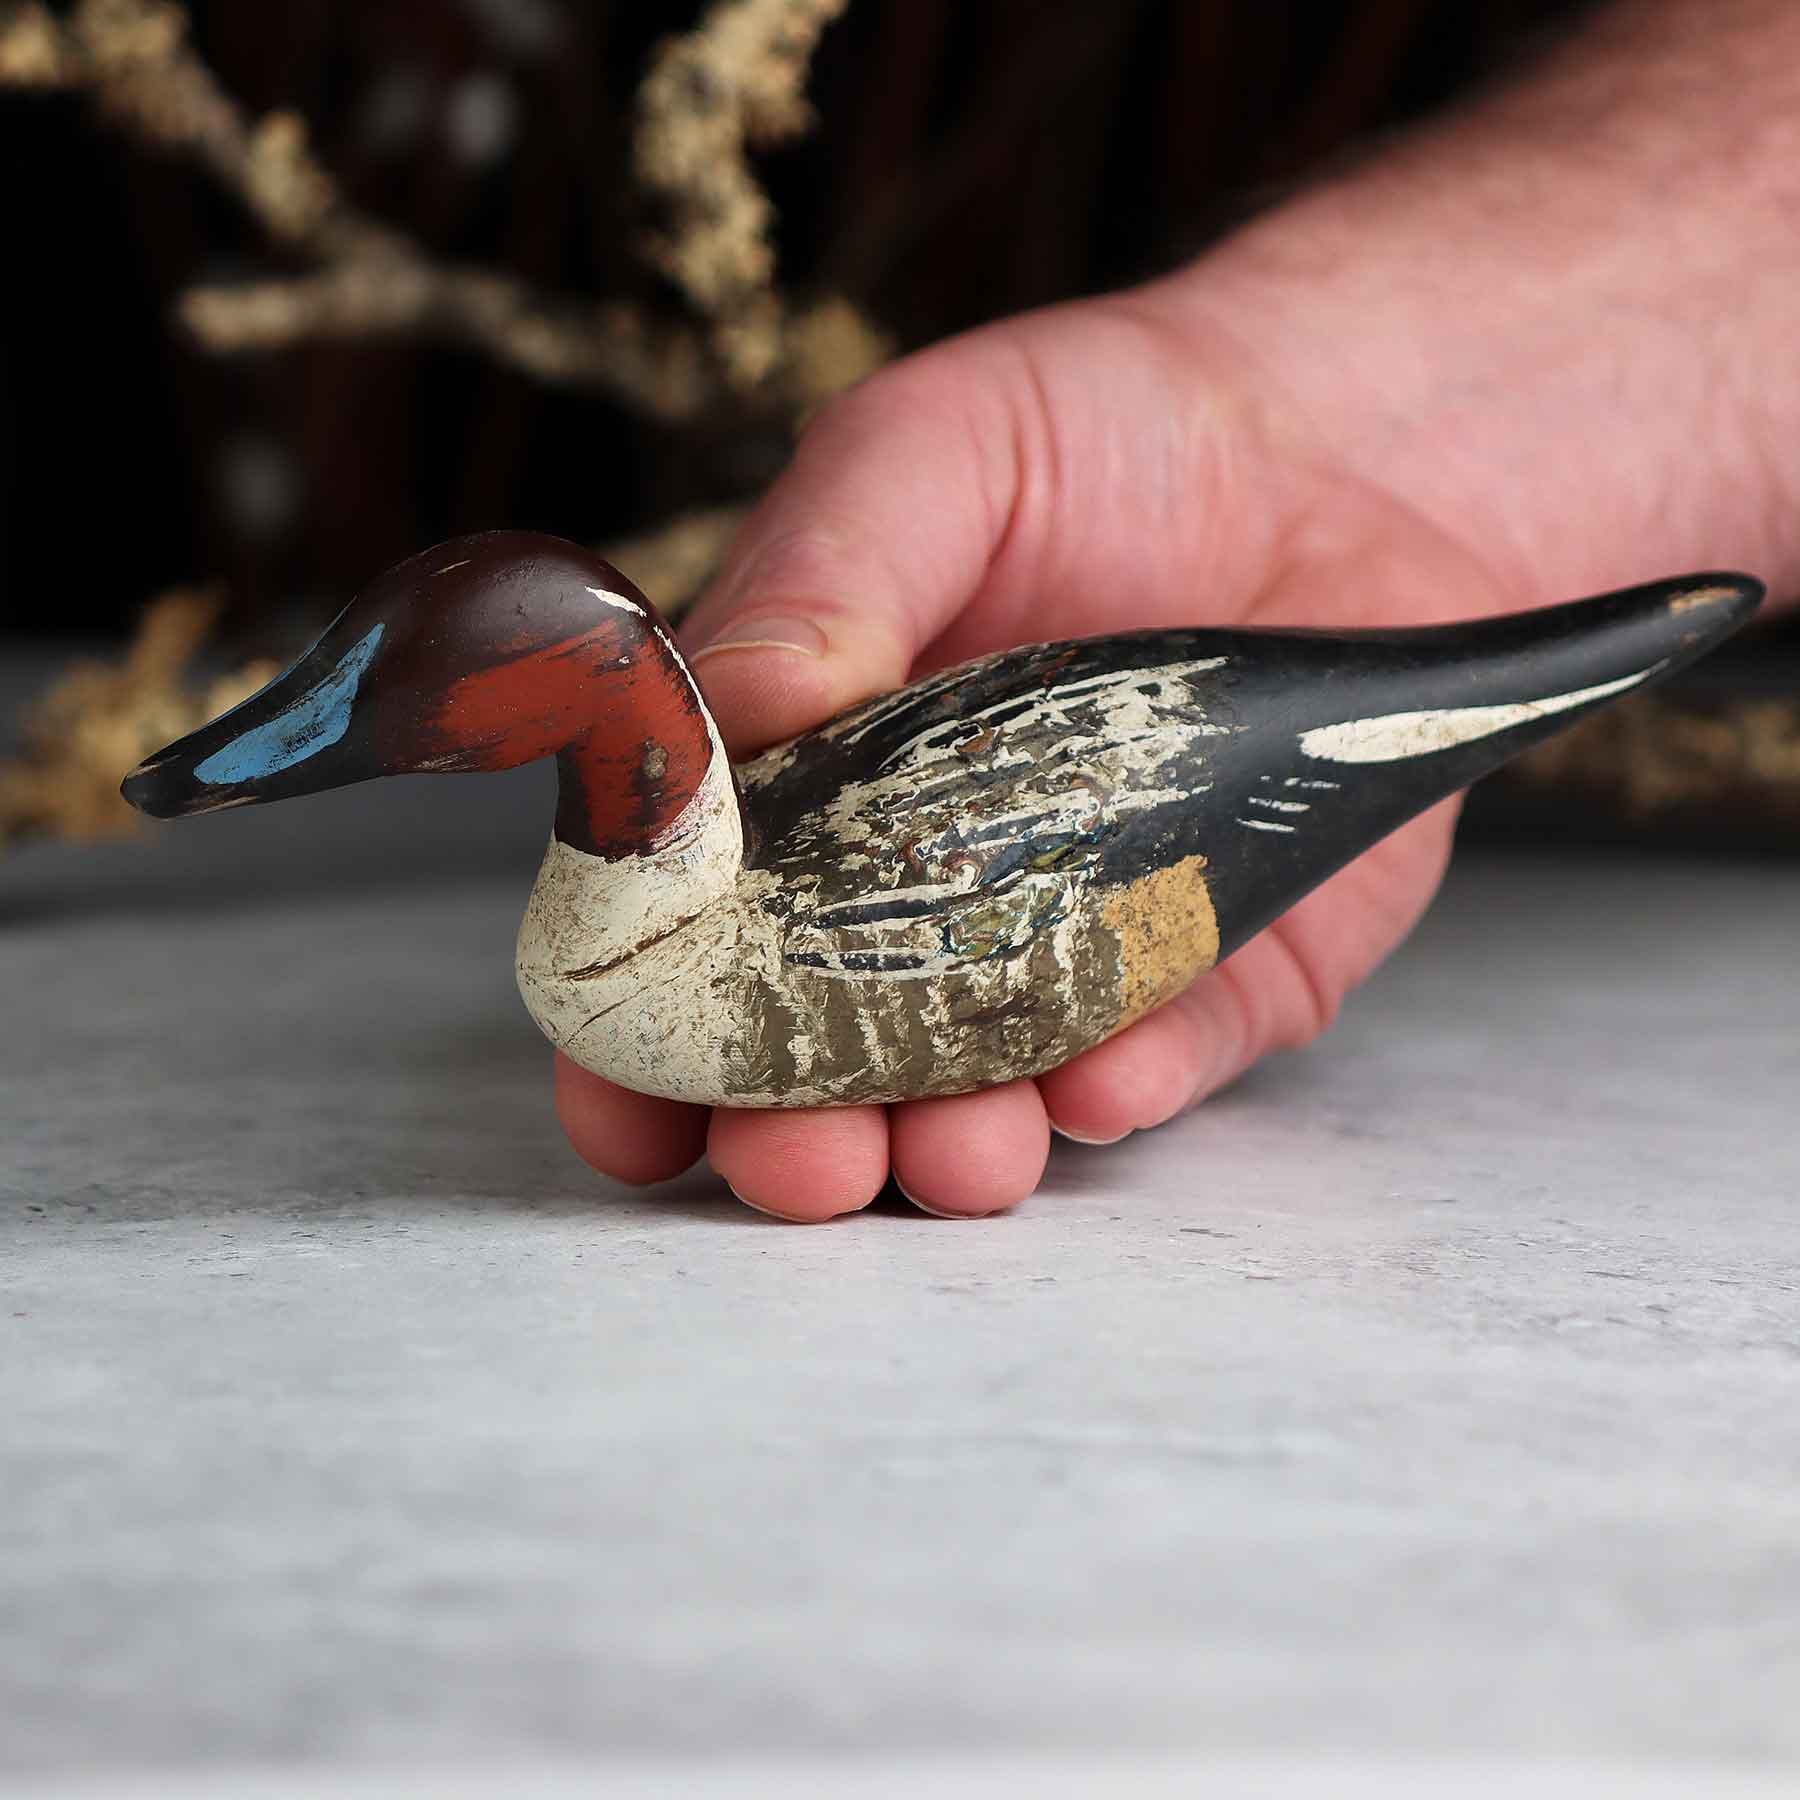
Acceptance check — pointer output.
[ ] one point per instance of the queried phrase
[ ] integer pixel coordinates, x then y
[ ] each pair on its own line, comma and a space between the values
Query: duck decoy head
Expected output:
483, 653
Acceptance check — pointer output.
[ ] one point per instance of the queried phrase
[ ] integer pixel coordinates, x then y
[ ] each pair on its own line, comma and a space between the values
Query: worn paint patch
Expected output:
1168, 934
304, 727
1703, 596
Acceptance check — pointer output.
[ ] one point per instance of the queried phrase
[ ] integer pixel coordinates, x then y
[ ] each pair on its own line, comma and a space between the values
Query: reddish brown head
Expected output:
484, 653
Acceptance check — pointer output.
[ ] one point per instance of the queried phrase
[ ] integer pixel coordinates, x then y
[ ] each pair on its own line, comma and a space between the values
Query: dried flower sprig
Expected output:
735, 81
135, 58
609, 346
1659, 755
99, 718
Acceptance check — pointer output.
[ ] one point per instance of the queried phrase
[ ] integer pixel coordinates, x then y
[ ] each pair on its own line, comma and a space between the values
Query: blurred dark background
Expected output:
972, 157
969, 158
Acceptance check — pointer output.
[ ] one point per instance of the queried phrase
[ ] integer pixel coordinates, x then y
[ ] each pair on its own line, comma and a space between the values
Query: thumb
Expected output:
878, 533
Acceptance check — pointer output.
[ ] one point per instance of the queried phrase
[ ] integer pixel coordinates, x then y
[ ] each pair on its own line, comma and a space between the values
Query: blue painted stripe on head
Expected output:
310, 724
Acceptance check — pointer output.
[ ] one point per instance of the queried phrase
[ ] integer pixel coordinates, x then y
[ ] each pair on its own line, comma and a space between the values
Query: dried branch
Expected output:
32, 54
735, 81
99, 719
1657, 755
609, 346
827, 348
133, 56
659, 370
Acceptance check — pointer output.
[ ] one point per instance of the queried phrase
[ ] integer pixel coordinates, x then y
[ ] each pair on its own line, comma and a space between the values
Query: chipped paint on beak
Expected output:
231, 762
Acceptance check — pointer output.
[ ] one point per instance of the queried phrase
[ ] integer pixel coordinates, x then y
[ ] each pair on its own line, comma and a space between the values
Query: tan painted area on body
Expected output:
1702, 596
1168, 934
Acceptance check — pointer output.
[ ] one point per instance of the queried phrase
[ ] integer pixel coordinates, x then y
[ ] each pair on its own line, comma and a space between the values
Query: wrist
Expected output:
1558, 324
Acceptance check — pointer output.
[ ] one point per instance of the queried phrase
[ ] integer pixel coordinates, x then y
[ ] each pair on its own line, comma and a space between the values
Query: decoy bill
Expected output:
970, 880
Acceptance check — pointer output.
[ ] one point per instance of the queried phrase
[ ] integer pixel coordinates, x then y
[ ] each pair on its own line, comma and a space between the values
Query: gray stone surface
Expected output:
1435, 1393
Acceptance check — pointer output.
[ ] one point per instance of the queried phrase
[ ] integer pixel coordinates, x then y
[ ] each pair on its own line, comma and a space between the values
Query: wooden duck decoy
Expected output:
964, 882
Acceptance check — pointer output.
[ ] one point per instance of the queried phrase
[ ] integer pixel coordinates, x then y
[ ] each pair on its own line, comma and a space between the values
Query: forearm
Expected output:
1565, 321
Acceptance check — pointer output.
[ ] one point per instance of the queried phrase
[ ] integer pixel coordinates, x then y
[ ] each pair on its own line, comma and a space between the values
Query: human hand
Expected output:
1524, 355
1101, 467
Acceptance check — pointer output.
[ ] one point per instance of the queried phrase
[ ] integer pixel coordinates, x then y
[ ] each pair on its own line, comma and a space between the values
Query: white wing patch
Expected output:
1395, 736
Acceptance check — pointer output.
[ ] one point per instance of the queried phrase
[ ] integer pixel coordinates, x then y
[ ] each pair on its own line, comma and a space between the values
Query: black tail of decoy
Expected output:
1342, 739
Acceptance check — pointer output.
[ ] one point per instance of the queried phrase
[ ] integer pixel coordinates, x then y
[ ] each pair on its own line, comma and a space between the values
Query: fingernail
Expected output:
920, 1204
768, 1212
801, 636
1075, 1137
